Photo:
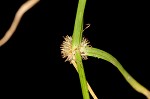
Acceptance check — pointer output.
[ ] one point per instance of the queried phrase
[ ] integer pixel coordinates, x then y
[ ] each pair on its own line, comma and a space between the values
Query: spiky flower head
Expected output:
67, 51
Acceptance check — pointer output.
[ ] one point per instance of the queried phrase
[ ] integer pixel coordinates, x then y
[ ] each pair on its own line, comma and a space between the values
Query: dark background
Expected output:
31, 63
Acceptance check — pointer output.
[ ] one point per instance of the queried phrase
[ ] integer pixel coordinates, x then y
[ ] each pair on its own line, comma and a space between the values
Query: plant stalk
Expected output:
76, 41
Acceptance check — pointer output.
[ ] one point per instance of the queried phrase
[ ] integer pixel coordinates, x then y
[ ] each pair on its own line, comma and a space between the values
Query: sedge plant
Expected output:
76, 48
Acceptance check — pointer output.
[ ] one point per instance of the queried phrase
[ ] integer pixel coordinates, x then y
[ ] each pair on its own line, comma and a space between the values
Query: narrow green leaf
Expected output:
94, 52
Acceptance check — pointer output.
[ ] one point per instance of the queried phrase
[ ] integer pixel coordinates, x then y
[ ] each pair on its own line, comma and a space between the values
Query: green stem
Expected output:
77, 35
82, 77
76, 40
108, 57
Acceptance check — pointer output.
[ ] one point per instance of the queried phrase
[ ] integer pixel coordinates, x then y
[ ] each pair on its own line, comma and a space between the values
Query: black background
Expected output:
31, 63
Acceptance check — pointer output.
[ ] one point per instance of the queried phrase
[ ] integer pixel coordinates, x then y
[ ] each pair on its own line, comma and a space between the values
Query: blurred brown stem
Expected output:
24, 7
